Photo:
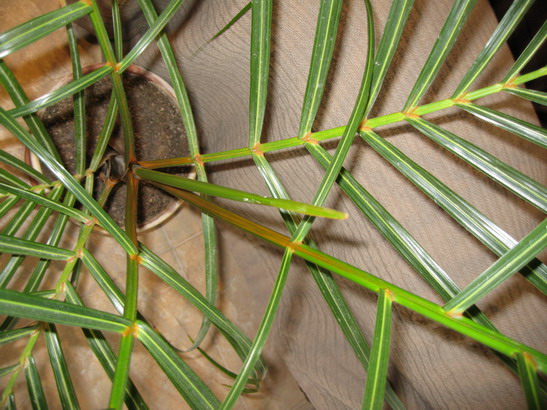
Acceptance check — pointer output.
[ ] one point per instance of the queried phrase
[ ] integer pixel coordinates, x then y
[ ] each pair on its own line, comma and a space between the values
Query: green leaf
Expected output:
208, 224
44, 201
235, 336
20, 217
13, 335
34, 307
236, 18
392, 230
4, 371
80, 133
106, 132
150, 34
12, 179
106, 283
497, 240
117, 25
323, 48
176, 81
19, 98
190, 386
211, 274
61, 93
531, 132
223, 369
32, 30
104, 353
234, 194
532, 95
327, 285
379, 358
39, 271
529, 380
7, 205
443, 44
409, 248
528, 53
502, 269
21, 166
499, 37
262, 333
357, 114
393, 30
68, 181
518, 183
411, 301
35, 228
34, 385
67, 394
10, 405
261, 23
9, 244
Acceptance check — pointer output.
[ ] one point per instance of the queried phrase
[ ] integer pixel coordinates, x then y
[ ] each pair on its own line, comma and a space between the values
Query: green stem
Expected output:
332, 133
8, 390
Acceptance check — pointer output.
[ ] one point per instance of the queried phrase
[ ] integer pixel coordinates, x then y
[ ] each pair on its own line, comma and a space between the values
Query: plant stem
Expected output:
338, 131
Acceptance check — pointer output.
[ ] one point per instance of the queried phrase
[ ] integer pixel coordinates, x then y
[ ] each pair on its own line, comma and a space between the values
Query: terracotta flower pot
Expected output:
174, 204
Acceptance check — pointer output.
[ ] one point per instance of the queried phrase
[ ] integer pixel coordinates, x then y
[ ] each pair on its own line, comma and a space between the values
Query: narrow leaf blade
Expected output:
34, 307
395, 24
261, 23
34, 385
323, 49
191, 387
497, 240
234, 194
13, 335
531, 132
518, 183
9, 244
499, 37
379, 358
443, 44
32, 30
531, 95
528, 53
502, 269
57, 359
262, 333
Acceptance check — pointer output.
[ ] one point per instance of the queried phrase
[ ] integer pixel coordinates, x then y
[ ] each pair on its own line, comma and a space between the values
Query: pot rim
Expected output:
165, 87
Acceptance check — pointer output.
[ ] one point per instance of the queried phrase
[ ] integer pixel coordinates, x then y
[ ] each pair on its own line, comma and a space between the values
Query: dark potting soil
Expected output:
158, 132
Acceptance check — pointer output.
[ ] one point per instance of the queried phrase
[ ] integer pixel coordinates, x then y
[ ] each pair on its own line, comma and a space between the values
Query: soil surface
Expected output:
158, 132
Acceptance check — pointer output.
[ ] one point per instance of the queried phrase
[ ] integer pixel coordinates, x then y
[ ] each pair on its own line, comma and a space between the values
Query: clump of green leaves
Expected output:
56, 200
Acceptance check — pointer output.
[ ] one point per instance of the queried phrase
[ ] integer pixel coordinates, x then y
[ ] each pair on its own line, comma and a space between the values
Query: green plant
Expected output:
62, 304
